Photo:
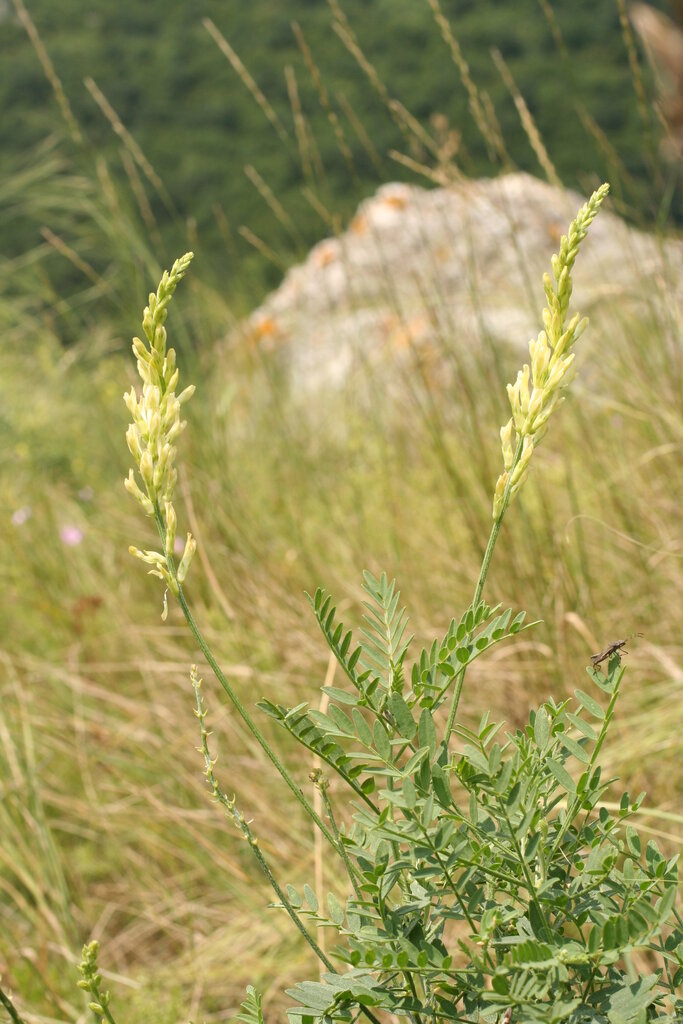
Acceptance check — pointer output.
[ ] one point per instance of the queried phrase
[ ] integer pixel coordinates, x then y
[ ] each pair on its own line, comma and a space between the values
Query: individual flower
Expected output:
71, 536
538, 390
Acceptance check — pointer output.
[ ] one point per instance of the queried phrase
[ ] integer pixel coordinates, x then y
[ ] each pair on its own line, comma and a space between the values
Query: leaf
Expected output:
665, 905
504, 776
251, 1008
382, 745
575, 749
517, 622
513, 796
293, 896
541, 728
476, 758
340, 695
409, 794
327, 724
384, 646
414, 761
626, 1003
313, 994
441, 786
591, 705
336, 910
404, 719
583, 727
633, 842
363, 730
341, 719
562, 775
532, 846
426, 732
311, 898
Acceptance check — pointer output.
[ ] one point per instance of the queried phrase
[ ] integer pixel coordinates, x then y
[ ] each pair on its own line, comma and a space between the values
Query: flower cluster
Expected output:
538, 390
90, 981
155, 428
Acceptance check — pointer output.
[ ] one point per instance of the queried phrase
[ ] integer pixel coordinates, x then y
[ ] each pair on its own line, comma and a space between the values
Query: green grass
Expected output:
106, 827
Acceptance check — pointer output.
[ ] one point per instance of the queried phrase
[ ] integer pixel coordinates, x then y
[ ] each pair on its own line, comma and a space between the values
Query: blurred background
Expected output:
372, 190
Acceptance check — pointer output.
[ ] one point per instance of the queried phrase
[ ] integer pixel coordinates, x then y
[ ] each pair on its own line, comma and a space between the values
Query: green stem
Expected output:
237, 703
454, 889
293, 914
350, 870
533, 895
322, 956
574, 808
483, 573
9, 1006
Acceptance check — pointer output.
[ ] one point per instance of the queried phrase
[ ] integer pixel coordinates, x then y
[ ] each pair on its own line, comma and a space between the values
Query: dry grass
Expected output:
106, 827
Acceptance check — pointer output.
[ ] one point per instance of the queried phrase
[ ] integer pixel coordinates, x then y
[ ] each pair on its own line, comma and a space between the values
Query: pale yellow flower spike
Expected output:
156, 425
538, 389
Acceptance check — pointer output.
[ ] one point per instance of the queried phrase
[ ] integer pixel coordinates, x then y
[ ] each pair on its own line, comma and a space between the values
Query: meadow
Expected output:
106, 827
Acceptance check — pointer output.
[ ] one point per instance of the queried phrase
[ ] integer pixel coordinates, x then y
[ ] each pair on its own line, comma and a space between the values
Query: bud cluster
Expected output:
156, 426
538, 389
91, 980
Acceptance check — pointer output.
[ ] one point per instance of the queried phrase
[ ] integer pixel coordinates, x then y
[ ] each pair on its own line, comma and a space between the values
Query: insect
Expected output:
613, 648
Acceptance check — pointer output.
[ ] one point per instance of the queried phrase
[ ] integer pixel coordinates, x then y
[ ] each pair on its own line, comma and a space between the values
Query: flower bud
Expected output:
133, 489
131, 400
556, 375
159, 342
506, 440
141, 352
540, 359
171, 524
133, 442
188, 555
147, 469
501, 484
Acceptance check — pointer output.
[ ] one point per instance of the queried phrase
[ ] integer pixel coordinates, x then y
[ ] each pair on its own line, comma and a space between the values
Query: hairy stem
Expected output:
237, 703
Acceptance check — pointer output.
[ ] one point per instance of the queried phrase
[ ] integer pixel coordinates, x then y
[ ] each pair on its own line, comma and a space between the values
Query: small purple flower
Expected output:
72, 536
22, 515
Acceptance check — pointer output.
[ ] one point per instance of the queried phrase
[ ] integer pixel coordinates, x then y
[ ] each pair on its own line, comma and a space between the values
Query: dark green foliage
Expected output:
199, 126
487, 872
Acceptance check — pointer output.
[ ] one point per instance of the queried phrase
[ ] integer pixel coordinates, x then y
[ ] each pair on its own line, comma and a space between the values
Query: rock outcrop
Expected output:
419, 266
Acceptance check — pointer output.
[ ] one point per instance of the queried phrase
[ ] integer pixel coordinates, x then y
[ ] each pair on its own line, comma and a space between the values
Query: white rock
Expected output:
419, 268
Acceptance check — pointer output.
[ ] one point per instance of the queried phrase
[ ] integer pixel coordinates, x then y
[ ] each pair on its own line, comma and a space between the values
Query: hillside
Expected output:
198, 126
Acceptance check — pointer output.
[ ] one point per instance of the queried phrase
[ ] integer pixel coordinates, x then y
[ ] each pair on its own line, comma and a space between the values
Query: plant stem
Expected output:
350, 870
237, 703
483, 573
9, 1006
293, 914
